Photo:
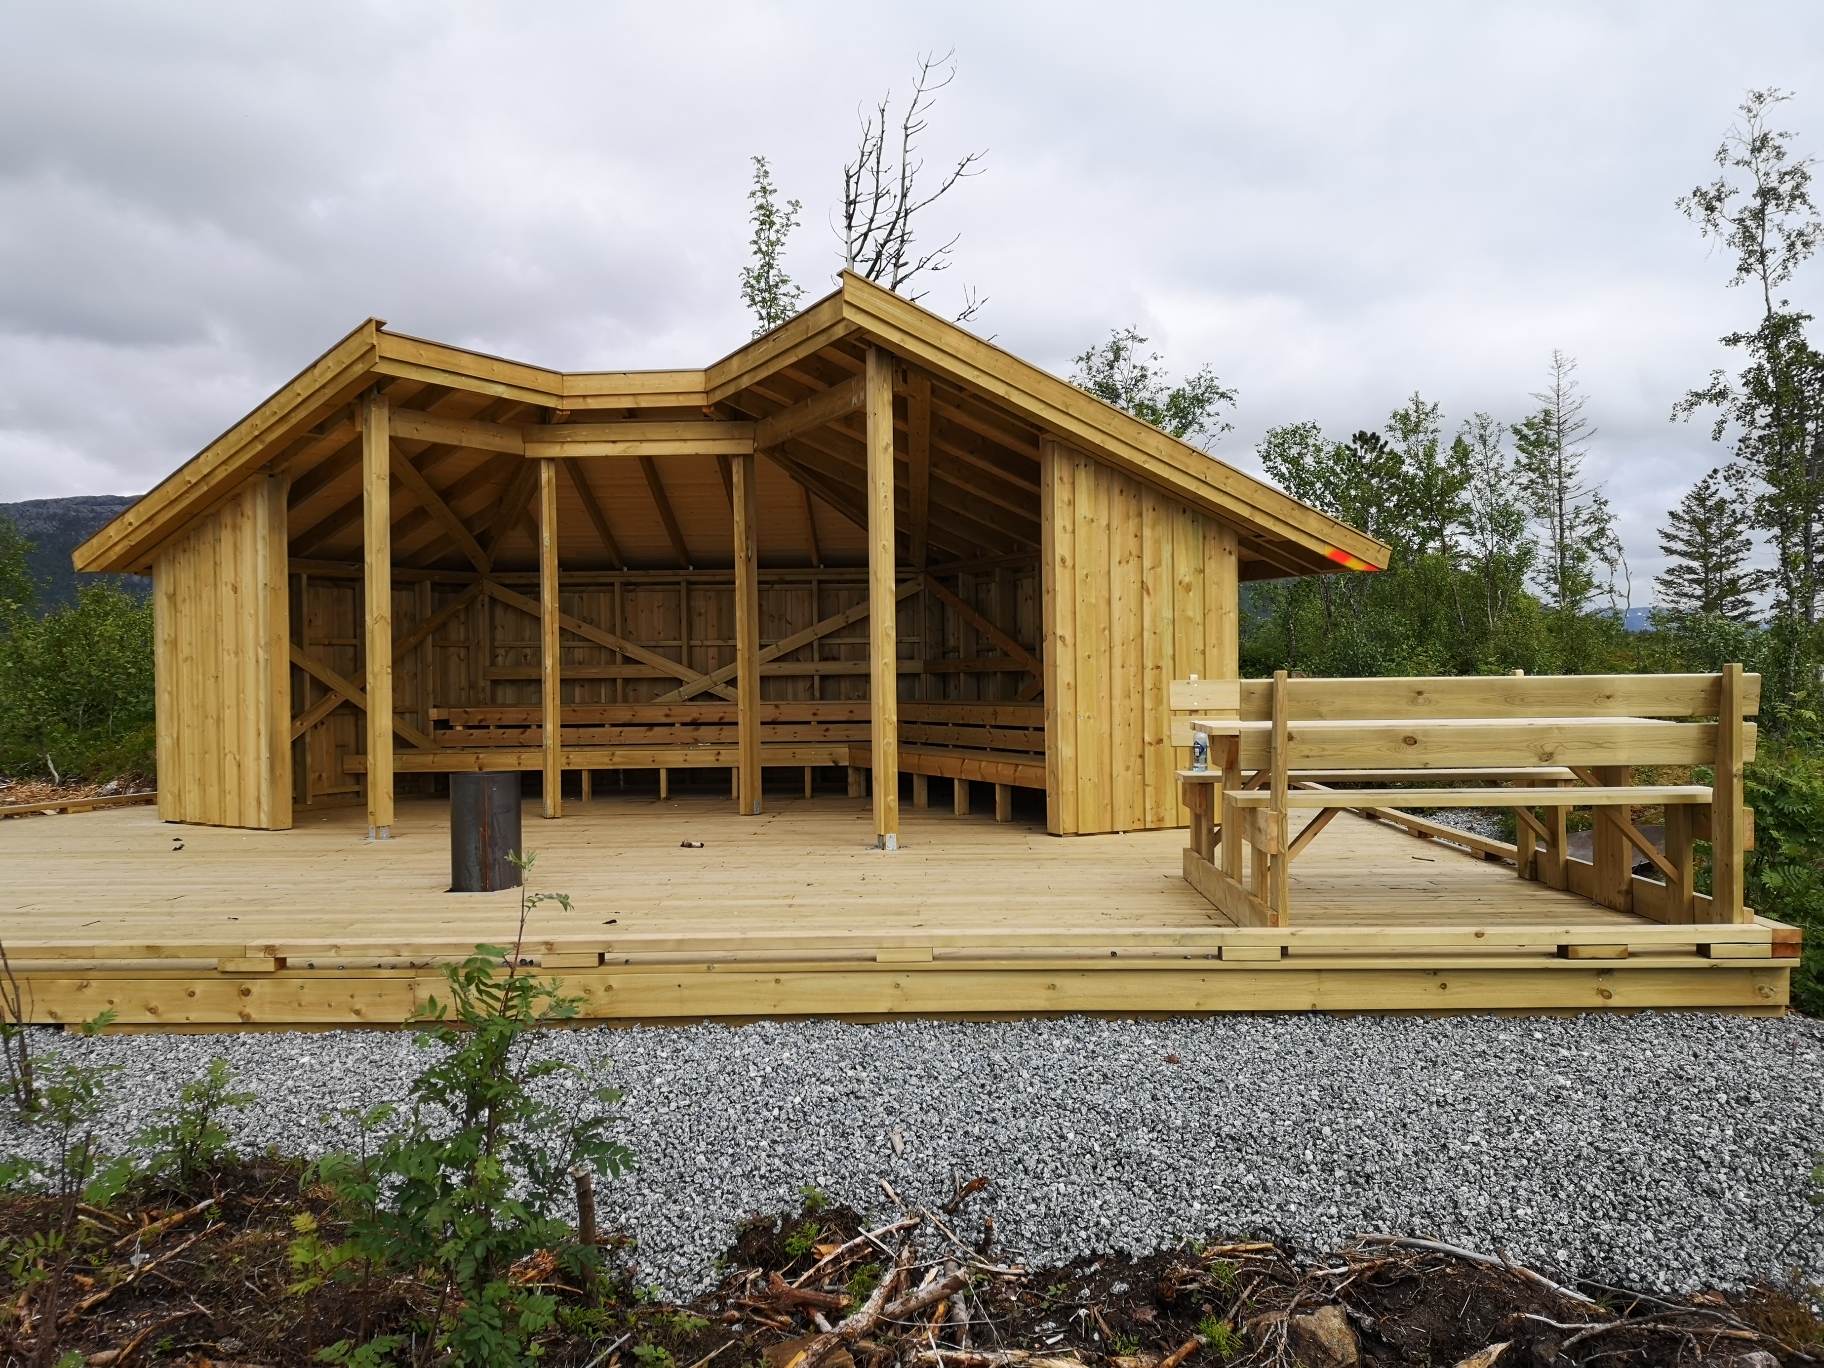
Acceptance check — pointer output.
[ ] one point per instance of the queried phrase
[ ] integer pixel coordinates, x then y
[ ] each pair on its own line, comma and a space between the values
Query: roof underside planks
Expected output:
646, 487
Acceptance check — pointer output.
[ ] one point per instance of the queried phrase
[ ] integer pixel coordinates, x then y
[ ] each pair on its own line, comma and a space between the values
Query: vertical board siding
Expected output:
1139, 590
222, 620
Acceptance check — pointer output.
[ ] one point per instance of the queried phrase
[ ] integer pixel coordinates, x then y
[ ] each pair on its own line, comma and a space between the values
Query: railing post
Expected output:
1279, 837
1727, 831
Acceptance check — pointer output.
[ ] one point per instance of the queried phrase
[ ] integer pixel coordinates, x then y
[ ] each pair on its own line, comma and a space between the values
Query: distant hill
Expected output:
56, 527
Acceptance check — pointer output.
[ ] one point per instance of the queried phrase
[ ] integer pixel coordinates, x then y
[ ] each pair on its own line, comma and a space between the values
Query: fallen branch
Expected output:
1486, 1260
849, 1247
157, 1228
90, 1303
877, 1309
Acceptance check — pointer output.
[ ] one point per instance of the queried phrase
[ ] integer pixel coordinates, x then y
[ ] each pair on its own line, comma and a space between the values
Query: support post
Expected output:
959, 797
747, 630
918, 464
377, 587
1728, 832
550, 671
1003, 802
1611, 854
1681, 906
1279, 838
921, 792
883, 602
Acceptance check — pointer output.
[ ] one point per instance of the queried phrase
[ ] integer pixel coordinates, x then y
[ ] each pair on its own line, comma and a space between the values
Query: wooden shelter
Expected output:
866, 539
867, 542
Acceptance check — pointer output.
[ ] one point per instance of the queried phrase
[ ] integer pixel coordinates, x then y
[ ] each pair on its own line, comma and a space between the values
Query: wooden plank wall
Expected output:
488, 653
222, 627
1138, 590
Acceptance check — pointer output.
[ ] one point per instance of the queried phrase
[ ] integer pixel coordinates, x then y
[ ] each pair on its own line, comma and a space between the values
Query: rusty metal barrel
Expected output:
484, 831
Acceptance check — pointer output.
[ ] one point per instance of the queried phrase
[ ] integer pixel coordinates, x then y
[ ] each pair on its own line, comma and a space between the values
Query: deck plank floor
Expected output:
794, 913
803, 865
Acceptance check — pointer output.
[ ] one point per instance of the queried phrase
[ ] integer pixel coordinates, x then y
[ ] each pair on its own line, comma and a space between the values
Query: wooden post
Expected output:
1279, 866
550, 671
747, 631
1611, 853
588, 784
856, 788
664, 783
918, 462
1003, 802
807, 781
1680, 905
883, 602
959, 797
377, 586
1728, 833
921, 791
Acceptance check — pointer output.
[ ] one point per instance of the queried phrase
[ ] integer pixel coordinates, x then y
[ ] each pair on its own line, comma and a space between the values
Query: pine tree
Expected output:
1574, 517
1707, 543
765, 286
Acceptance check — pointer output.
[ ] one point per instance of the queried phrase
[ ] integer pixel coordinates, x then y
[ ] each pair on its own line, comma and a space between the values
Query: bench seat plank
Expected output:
1477, 797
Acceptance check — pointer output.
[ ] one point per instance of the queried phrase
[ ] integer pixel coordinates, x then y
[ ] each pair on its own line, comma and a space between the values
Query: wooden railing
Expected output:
1539, 745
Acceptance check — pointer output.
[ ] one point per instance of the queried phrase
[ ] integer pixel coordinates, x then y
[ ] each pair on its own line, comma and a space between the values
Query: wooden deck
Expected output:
794, 912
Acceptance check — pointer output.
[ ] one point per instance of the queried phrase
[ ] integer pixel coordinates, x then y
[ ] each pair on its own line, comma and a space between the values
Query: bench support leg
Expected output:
588, 787
1682, 908
1003, 802
808, 772
857, 788
664, 784
1610, 851
921, 791
959, 797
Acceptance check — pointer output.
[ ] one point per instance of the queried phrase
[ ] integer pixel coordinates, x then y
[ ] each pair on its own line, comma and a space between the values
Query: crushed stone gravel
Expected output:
1665, 1151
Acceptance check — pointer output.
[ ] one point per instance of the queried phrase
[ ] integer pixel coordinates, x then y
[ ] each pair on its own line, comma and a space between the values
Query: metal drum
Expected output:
484, 831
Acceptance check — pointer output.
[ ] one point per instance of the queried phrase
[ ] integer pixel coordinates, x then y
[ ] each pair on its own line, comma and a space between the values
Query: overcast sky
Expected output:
1334, 204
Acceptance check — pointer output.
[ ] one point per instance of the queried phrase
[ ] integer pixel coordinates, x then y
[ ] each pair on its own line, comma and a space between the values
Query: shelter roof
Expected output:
465, 422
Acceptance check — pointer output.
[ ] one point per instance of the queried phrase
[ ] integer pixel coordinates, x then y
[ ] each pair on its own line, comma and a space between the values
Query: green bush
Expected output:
76, 684
1785, 870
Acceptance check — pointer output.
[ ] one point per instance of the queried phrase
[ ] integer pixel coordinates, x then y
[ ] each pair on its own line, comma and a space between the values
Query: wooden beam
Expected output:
725, 467
810, 525
354, 694
812, 412
590, 632
418, 426
593, 507
883, 634
512, 507
323, 707
551, 692
650, 468
787, 645
1021, 656
918, 455
432, 503
747, 630
377, 588
694, 437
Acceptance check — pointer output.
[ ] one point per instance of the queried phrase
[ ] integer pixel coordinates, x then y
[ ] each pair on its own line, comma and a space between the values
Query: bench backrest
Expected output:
1418, 723
1487, 696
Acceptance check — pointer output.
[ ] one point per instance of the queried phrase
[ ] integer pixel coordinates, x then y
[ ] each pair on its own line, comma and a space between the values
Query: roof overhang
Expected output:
1279, 534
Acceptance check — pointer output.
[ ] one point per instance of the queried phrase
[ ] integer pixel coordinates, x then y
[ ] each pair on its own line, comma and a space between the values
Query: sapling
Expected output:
465, 1186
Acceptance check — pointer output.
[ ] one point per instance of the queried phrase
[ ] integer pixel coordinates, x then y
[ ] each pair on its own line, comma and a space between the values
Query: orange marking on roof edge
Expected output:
1347, 561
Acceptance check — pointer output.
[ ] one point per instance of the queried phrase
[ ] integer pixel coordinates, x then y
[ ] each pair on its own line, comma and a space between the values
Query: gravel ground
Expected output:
1664, 1151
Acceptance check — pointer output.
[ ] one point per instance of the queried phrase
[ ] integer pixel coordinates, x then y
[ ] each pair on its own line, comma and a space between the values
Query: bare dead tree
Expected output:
881, 196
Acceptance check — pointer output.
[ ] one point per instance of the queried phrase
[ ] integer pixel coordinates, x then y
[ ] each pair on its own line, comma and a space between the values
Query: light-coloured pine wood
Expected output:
598, 517
883, 636
1003, 802
1727, 829
377, 595
1502, 696
551, 679
1058, 603
1278, 823
747, 628
918, 464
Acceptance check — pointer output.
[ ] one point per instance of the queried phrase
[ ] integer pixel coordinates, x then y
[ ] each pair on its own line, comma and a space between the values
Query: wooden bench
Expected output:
1508, 741
991, 743
639, 736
